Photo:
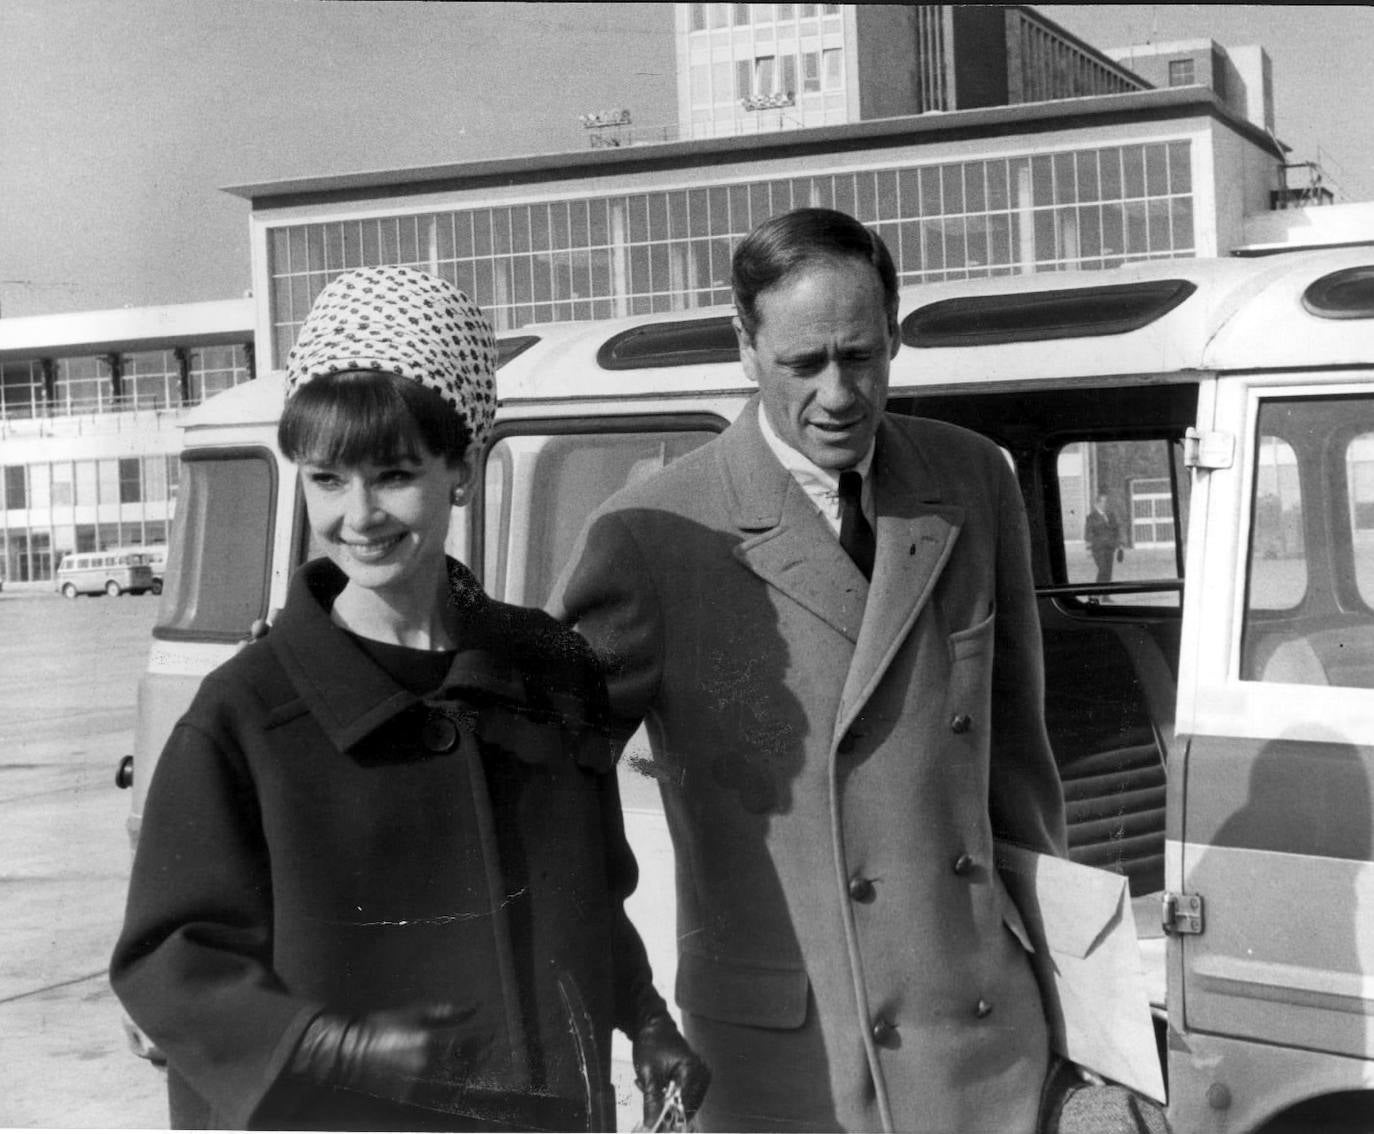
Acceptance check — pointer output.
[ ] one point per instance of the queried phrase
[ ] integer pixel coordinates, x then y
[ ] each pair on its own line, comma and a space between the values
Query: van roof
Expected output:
1158, 320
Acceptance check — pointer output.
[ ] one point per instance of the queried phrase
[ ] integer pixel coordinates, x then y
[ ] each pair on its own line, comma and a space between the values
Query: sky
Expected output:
121, 121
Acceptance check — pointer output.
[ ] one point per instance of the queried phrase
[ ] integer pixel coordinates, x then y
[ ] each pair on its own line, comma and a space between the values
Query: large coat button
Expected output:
861, 889
983, 1010
439, 734
884, 1033
962, 722
963, 864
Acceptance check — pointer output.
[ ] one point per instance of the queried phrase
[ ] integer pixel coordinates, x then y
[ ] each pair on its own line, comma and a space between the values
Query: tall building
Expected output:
750, 68
1242, 77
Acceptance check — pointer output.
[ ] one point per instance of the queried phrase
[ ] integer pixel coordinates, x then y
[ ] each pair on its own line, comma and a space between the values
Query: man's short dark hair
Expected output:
782, 244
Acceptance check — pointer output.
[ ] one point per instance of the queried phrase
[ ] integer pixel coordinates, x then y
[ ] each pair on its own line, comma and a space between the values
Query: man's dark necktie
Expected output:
856, 533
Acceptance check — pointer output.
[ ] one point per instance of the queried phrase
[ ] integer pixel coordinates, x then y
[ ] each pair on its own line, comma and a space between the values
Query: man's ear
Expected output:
746, 350
894, 334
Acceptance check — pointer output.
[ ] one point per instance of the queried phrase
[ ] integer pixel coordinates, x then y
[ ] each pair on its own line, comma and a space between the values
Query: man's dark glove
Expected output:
420, 1055
662, 1058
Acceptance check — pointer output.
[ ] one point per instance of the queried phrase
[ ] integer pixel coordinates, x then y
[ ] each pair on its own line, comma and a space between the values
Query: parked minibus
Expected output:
154, 555
113, 572
1210, 700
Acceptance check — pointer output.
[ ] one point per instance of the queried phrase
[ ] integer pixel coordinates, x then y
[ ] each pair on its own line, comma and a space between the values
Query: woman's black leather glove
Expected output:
420, 1055
662, 1058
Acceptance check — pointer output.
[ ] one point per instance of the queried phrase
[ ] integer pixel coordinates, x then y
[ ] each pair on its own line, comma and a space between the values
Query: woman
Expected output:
380, 878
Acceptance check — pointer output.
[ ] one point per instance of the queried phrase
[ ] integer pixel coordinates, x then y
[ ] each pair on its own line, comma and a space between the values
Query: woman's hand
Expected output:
420, 1055
662, 1059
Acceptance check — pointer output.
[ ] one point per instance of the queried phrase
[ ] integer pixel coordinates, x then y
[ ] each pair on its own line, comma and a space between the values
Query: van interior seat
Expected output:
1104, 685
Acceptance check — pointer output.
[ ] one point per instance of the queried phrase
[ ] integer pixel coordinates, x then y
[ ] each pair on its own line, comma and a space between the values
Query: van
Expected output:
114, 572
154, 555
1209, 688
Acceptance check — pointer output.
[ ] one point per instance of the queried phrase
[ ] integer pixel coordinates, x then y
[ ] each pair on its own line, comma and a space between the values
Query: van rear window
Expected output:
220, 544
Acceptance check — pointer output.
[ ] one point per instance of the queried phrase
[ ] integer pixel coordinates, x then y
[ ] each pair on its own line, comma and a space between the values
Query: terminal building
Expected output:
977, 141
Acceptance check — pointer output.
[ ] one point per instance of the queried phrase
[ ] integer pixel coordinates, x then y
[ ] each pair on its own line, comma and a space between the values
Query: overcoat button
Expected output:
861, 889
439, 734
984, 1010
884, 1033
963, 864
962, 722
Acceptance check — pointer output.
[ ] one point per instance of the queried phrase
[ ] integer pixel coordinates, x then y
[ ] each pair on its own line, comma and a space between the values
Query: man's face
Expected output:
820, 357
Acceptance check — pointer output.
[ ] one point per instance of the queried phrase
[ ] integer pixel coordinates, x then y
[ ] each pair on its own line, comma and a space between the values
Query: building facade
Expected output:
89, 407
752, 68
1082, 183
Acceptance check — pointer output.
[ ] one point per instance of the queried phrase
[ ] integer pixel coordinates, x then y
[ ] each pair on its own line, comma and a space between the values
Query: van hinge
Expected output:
1181, 914
1210, 450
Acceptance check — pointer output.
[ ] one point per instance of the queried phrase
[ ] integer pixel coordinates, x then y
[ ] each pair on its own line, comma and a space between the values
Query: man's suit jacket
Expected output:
835, 759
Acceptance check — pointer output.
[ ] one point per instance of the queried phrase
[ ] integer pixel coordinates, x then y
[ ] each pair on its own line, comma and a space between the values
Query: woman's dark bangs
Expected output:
347, 423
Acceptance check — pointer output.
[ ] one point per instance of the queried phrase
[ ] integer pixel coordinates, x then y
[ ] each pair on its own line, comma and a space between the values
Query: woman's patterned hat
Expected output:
405, 322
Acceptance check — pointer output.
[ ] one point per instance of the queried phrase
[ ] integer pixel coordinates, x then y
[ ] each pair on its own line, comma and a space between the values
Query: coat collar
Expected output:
345, 690
789, 545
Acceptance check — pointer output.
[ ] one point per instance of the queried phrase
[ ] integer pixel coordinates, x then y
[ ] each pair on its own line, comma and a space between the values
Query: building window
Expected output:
84, 385
744, 78
669, 249
765, 75
832, 63
1181, 73
16, 488
698, 17
21, 389
215, 369
130, 480
741, 15
151, 380
811, 72
789, 75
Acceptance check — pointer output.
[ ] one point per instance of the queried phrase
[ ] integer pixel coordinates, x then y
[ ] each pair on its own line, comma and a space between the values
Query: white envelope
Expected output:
1087, 961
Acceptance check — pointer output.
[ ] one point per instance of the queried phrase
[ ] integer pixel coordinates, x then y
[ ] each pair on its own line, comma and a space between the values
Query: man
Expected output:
836, 753
1103, 538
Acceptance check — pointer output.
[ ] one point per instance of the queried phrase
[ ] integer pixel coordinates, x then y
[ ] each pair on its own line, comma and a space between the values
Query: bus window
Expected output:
540, 489
221, 542
1122, 519
1309, 602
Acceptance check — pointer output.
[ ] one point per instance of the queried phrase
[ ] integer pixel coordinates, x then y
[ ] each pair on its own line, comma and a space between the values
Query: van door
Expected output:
1271, 858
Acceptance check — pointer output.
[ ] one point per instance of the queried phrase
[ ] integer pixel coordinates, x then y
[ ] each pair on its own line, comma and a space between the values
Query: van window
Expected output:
221, 540
1309, 602
1278, 564
540, 487
1133, 551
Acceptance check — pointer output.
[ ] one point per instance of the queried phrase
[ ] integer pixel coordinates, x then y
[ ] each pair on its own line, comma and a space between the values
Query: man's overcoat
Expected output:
835, 759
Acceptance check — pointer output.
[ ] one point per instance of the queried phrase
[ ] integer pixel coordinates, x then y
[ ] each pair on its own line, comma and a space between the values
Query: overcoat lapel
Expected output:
915, 531
786, 542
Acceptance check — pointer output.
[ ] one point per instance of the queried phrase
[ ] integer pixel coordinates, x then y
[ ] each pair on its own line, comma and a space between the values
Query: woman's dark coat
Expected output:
318, 837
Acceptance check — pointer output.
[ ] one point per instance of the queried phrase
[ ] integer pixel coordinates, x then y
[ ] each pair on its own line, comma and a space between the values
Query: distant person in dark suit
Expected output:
1102, 534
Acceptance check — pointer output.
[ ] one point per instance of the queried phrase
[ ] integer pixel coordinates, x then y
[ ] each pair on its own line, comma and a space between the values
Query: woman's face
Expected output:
384, 524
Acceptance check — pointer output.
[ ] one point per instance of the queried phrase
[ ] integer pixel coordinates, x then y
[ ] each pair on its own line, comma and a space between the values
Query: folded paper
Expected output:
1087, 961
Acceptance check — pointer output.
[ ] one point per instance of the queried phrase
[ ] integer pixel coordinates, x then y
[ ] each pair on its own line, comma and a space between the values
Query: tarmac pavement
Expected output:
69, 675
